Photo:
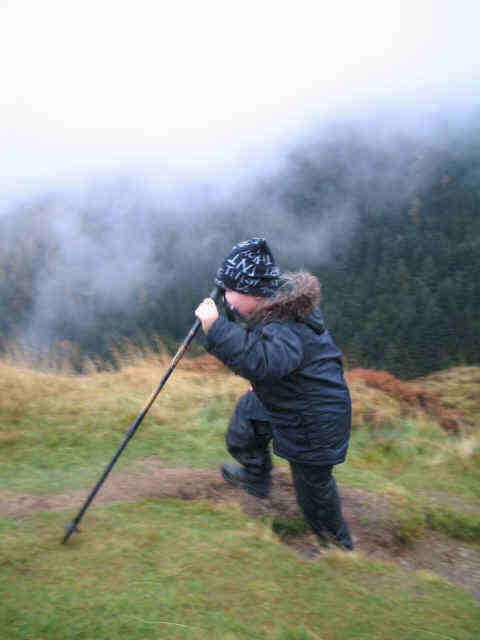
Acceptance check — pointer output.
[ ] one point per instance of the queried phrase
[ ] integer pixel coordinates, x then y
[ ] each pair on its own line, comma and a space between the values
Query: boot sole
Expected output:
258, 493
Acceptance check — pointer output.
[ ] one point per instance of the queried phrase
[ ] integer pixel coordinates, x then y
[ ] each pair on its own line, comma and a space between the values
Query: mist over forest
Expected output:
385, 213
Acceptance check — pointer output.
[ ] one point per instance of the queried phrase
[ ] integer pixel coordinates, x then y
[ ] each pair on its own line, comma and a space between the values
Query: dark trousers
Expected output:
315, 488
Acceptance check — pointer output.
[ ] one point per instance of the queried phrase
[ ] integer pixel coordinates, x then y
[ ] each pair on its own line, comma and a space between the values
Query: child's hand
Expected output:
207, 313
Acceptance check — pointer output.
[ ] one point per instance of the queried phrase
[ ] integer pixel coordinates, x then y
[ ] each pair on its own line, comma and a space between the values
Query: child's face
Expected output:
244, 304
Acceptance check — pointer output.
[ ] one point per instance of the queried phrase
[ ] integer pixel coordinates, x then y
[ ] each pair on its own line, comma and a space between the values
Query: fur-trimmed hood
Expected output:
296, 298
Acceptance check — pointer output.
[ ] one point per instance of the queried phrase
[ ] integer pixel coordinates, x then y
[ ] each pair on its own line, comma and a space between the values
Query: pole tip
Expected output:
70, 529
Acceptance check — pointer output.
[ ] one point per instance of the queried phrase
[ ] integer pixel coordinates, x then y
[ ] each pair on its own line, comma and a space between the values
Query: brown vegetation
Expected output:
442, 401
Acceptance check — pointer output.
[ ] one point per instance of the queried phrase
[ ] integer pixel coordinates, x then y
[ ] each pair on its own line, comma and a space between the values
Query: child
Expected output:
298, 398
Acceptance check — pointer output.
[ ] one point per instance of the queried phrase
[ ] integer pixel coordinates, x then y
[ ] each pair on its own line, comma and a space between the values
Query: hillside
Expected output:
188, 553
389, 225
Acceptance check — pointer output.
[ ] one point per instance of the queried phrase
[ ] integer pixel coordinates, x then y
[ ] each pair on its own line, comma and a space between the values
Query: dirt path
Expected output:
457, 561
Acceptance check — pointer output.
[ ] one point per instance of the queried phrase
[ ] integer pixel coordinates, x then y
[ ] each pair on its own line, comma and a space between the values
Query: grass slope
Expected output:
175, 569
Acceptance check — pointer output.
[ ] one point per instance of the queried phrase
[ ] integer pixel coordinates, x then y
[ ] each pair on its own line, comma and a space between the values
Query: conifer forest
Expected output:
389, 224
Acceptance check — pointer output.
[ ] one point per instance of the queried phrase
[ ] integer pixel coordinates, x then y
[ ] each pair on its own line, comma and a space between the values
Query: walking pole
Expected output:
191, 334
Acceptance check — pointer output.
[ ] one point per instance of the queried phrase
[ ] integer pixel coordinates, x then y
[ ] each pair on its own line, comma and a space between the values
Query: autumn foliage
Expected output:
412, 396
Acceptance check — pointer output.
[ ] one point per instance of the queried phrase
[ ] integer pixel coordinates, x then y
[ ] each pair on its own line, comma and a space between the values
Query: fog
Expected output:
185, 116
206, 89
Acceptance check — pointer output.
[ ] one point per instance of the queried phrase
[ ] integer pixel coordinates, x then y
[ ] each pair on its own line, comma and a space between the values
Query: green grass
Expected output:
171, 569
418, 454
59, 432
52, 456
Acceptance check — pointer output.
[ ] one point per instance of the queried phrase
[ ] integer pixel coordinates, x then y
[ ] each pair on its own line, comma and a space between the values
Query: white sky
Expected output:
92, 84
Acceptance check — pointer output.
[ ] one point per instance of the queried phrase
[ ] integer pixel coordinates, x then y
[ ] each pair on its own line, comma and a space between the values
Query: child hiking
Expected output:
298, 398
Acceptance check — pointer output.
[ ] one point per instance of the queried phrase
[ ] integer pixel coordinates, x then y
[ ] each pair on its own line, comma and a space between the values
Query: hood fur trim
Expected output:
297, 297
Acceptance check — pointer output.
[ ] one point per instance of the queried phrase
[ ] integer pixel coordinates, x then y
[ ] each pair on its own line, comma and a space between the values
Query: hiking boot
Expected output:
345, 542
258, 486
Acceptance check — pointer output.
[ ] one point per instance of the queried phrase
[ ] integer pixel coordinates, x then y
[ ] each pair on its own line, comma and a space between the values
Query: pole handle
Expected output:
214, 294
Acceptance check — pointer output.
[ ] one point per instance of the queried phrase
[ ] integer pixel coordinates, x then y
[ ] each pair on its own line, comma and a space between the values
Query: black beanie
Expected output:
250, 268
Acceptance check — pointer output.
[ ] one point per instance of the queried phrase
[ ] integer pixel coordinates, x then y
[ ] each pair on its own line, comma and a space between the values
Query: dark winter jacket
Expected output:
295, 370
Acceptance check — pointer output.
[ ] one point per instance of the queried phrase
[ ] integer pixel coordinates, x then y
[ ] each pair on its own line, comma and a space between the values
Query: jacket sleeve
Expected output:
267, 352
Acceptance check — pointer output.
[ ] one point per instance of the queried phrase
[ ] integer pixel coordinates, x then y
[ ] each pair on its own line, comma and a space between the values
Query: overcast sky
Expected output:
96, 85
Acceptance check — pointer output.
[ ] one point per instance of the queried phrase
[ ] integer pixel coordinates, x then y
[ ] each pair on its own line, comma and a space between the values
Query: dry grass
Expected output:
396, 422
371, 406
451, 398
458, 392
53, 387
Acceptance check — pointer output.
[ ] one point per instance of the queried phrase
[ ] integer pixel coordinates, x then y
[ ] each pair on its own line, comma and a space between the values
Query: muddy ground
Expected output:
366, 512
